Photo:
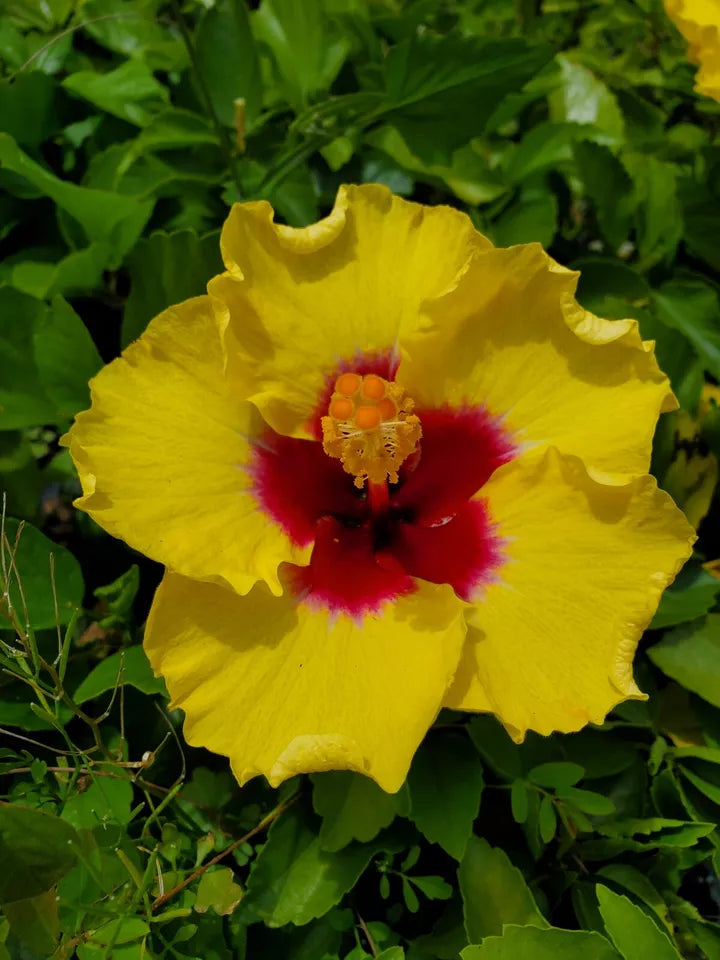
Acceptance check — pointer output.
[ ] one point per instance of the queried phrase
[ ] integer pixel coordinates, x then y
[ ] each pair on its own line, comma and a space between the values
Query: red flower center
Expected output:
366, 553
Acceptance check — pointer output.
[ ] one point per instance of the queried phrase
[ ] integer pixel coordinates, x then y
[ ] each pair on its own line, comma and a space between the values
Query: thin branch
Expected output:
265, 822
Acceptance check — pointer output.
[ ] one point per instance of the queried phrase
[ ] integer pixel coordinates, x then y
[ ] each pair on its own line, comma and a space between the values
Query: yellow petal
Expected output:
162, 454
281, 689
300, 303
699, 23
554, 637
515, 340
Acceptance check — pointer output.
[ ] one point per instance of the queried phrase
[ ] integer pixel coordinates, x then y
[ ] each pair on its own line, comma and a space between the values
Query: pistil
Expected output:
371, 429
378, 497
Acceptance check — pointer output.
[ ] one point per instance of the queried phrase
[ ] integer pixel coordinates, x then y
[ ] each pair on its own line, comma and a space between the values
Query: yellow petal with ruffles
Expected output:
511, 337
300, 302
163, 455
552, 640
699, 23
282, 689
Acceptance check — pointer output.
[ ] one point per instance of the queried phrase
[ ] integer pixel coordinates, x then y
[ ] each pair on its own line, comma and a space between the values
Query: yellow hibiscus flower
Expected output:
699, 23
389, 468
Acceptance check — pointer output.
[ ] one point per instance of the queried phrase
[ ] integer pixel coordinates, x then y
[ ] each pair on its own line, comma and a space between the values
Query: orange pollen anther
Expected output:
347, 384
367, 418
341, 408
370, 427
387, 408
373, 387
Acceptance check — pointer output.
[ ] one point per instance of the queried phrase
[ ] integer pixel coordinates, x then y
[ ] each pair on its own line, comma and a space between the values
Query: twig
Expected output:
265, 822
368, 936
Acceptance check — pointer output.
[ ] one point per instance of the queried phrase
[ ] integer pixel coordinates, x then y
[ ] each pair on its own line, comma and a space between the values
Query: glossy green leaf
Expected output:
442, 90
692, 308
66, 357
529, 943
165, 269
690, 597
494, 892
531, 217
36, 849
306, 48
588, 801
556, 775
130, 91
582, 97
446, 783
690, 654
519, 801
104, 804
129, 666
228, 60
27, 108
353, 807
634, 934
294, 880
102, 215
38, 564
23, 401
35, 922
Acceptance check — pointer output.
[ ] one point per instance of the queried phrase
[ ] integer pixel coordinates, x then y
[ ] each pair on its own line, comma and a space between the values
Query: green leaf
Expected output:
602, 754
548, 819
217, 889
530, 218
114, 934
529, 943
556, 775
36, 849
103, 215
27, 108
294, 880
583, 98
690, 597
23, 401
105, 802
410, 897
544, 147
118, 598
129, 666
166, 268
434, 888
494, 892
692, 307
37, 573
638, 884
129, 27
611, 189
690, 654
228, 61
519, 801
306, 48
80, 270
440, 91
641, 836
446, 784
66, 357
587, 801
35, 921
129, 91
658, 216
353, 807
634, 934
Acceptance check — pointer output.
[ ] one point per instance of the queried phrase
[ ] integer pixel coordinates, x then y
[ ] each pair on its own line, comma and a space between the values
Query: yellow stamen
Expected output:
373, 433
